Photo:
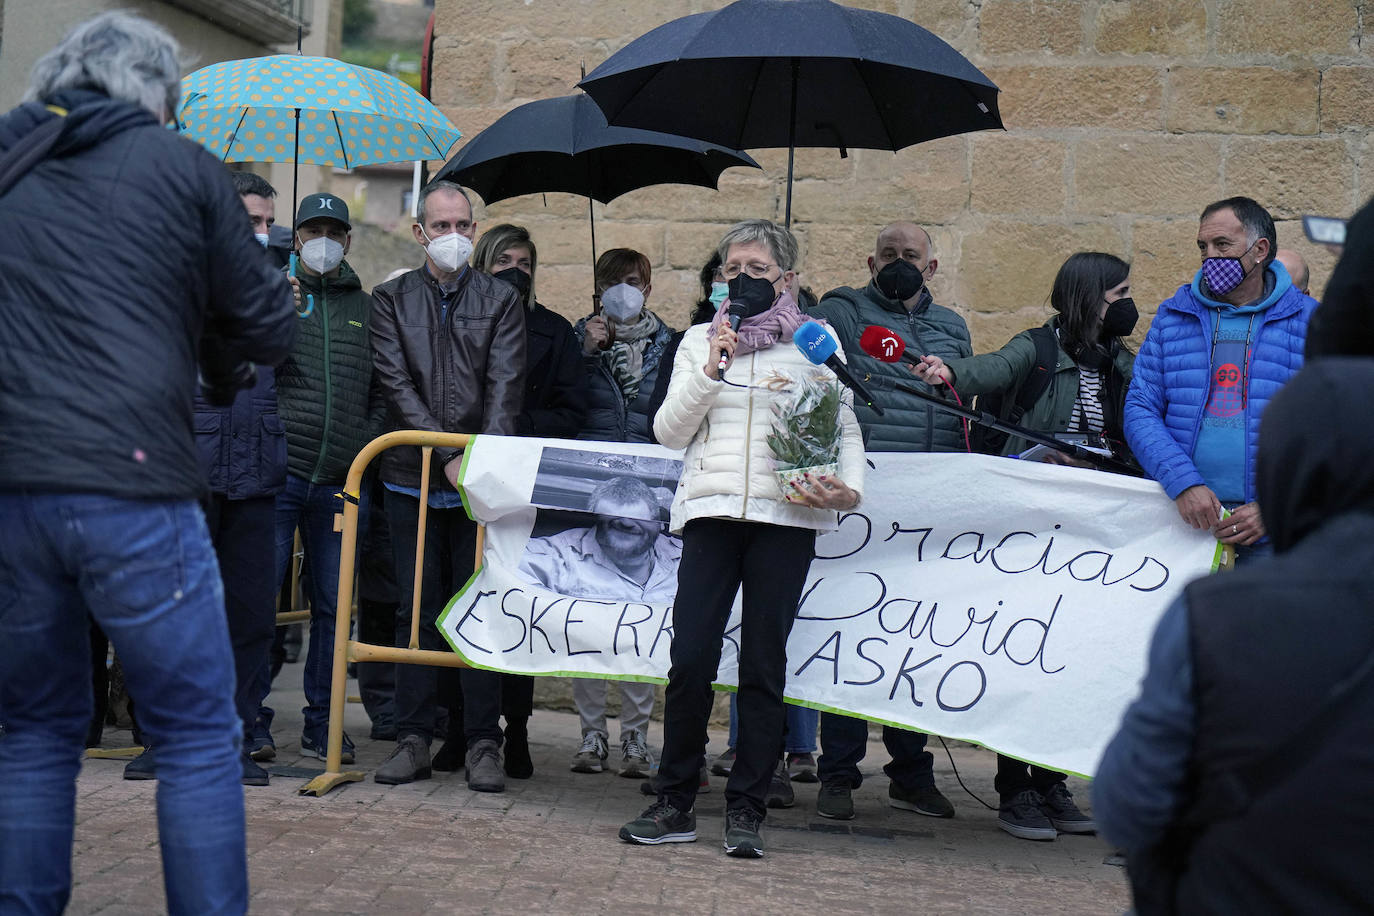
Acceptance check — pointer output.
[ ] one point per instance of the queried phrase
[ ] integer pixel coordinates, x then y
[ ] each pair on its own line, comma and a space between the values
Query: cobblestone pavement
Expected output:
548, 845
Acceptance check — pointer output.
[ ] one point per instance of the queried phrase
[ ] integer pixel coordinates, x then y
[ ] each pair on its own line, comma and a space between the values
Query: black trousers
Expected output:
450, 542
376, 602
1015, 775
517, 699
770, 562
244, 534
844, 741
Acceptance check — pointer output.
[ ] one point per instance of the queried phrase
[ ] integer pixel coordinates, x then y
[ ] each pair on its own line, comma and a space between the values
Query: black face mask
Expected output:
756, 295
1119, 319
900, 280
517, 278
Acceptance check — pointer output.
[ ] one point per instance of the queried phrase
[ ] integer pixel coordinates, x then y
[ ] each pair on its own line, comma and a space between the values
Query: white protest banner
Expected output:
997, 601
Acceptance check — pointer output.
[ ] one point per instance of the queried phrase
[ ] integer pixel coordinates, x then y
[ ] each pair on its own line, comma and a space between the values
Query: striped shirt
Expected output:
1087, 407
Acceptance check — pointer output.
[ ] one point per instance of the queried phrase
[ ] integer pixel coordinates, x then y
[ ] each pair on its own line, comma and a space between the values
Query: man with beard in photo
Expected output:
625, 556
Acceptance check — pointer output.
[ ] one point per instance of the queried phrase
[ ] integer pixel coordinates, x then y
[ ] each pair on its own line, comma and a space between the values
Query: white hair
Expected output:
119, 54
777, 239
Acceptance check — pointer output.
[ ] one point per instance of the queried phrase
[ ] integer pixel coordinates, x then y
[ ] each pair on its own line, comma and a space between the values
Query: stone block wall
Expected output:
1124, 118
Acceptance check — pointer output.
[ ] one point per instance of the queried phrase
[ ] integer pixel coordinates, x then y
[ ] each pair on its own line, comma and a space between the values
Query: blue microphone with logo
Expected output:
818, 345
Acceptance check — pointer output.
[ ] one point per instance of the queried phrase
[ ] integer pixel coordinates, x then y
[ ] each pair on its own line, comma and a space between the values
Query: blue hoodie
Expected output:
1170, 389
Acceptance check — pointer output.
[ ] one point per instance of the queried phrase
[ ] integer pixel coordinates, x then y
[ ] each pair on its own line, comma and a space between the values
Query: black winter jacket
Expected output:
908, 424
610, 418
554, 403
117, 252
325, 387
1269, 646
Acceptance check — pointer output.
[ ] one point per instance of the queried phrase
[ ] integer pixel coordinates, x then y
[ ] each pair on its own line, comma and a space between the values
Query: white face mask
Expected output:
262, 238
322, 254
448, 252
622, 303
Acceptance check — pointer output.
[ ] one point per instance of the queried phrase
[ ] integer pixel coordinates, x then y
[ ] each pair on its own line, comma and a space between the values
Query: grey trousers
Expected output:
636, 703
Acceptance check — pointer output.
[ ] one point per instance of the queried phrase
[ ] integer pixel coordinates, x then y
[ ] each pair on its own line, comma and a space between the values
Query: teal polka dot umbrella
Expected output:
294, 108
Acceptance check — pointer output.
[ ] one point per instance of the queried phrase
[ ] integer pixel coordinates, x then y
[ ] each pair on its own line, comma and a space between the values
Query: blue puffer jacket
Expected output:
1169, 389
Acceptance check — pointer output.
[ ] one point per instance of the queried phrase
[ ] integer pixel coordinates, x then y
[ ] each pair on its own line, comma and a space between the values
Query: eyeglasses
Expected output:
756, 269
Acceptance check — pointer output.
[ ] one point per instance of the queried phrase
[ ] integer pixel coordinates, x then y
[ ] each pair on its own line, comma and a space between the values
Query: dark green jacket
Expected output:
324, 387
1012, 365
908, 424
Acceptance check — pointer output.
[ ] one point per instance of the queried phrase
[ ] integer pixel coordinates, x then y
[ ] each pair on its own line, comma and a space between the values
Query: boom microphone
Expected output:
818, 345
885, 346
736, 312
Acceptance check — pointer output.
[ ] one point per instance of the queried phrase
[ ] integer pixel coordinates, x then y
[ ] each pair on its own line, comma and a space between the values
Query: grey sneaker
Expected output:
835, 801
742, 839
1022, 817
1058, 806
723, 764
661, 823
409, 762
484, 770
591, 756
925, 800
635, 763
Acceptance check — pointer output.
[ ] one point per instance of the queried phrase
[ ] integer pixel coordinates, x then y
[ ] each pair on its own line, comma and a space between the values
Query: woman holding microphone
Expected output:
739, 529
1086, 393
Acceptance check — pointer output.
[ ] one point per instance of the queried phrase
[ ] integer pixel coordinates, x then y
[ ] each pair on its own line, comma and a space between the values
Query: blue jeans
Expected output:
311, 507
802, 722
146, 571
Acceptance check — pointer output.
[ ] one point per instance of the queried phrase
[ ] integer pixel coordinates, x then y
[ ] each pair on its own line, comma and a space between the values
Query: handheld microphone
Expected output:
818, 345
886, 346
736, 313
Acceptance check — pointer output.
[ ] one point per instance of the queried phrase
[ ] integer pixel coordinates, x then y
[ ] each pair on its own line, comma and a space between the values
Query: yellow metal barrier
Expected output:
349, 650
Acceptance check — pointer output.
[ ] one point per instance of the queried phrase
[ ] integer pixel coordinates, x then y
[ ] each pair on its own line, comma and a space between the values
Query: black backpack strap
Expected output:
29, 151
1046, 361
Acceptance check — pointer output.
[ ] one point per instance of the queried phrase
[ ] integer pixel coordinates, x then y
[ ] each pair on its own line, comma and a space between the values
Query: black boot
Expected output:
517, 748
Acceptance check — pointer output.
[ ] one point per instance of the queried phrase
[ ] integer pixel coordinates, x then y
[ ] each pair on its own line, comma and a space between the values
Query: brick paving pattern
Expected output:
548, 844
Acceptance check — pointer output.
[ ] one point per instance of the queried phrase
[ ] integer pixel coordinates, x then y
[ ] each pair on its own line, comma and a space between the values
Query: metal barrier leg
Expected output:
346, 650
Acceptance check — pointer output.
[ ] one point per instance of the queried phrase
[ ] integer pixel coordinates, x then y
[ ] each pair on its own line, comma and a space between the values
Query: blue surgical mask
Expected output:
719, 290
262, 238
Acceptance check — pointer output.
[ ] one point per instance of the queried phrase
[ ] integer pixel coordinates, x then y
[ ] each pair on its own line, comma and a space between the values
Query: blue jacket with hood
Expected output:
1169, 390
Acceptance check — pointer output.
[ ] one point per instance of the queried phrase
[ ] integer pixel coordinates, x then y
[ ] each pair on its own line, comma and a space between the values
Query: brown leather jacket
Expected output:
459, 369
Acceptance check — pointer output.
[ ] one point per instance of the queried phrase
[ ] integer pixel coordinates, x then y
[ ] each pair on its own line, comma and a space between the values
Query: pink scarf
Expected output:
760, 332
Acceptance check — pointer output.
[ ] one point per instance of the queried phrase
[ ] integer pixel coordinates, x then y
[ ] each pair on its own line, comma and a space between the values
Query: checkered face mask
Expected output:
1224, 274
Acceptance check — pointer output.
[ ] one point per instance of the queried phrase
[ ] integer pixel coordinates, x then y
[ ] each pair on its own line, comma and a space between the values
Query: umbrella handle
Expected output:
309, 297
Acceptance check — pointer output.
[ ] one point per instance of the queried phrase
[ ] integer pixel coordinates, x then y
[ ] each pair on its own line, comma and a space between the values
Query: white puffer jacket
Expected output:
728, 469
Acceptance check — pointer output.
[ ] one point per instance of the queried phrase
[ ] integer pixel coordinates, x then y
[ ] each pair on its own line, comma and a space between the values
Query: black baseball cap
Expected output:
327, 206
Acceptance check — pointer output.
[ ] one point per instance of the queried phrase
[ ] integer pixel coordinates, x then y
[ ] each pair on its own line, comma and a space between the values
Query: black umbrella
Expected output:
564, 144
809, 73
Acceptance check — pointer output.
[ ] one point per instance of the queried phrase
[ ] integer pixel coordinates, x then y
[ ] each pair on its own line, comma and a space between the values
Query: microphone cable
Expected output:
963, 422
960, 779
